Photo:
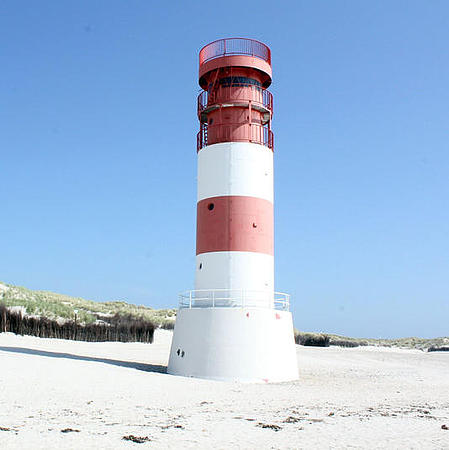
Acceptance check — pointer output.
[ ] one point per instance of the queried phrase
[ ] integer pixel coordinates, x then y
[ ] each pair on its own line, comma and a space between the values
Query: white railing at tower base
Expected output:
234, 298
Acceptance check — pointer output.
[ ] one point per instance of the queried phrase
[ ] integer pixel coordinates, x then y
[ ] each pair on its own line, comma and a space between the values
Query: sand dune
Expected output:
99, 393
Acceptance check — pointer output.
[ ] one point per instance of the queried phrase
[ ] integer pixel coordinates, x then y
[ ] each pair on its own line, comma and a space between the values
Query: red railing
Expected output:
236, 94
235, 46
254, 133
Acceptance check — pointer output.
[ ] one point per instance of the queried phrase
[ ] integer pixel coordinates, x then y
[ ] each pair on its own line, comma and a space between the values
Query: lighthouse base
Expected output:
234, 344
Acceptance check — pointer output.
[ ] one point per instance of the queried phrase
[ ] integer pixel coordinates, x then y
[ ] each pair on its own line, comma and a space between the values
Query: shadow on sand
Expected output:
129, 364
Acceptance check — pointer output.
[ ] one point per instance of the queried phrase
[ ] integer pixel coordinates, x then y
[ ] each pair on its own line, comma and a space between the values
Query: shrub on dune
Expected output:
312, 339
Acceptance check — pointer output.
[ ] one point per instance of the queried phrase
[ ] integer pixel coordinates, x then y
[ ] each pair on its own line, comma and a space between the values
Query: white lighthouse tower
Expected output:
234, 326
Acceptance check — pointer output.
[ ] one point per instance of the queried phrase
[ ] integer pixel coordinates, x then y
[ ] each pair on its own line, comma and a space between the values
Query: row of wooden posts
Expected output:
123, 328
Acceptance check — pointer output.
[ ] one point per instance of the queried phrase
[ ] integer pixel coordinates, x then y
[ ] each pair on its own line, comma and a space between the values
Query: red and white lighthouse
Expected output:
234, 326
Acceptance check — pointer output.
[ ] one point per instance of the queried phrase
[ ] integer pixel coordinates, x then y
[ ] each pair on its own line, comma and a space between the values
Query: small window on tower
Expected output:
210, 206
211, 121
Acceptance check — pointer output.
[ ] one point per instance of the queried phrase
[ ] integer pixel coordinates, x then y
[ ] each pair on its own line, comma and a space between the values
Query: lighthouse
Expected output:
233, 326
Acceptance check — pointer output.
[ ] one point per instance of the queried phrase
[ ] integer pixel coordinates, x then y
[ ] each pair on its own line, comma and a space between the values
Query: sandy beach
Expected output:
65, 394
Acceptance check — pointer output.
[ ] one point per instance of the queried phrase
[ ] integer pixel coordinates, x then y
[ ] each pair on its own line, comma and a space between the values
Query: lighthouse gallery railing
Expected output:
234, 298
235, 46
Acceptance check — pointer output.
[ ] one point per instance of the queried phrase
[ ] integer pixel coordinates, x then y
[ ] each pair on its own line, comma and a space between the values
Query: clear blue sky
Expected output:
98, 153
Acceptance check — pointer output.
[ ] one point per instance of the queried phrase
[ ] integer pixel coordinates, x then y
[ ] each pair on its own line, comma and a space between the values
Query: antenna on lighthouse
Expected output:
234, 326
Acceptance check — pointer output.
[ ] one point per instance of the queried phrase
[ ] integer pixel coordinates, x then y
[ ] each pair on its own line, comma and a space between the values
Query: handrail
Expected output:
234, 298
234, 132
251, 94
235, 46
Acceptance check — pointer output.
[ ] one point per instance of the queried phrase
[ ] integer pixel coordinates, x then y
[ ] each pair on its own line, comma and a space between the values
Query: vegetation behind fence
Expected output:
122, 328
58, 306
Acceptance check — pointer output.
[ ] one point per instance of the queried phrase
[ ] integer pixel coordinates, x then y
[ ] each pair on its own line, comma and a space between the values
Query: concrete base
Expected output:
234, 344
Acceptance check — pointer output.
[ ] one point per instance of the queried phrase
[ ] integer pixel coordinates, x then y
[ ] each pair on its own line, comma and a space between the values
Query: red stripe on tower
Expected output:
234, 223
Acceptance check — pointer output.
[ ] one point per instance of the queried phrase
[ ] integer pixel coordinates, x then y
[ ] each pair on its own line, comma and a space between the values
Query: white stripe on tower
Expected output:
235, 168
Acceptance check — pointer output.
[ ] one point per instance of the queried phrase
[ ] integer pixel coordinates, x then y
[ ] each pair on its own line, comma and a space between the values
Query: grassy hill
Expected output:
324, 339
59, 306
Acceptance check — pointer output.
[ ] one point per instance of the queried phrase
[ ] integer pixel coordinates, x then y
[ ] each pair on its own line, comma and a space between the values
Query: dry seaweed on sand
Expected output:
269, 426
136, 439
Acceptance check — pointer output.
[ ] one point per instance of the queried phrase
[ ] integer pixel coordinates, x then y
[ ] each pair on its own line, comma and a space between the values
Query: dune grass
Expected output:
58, 306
